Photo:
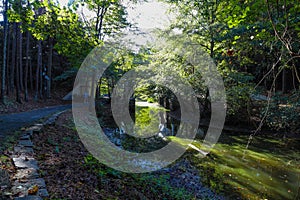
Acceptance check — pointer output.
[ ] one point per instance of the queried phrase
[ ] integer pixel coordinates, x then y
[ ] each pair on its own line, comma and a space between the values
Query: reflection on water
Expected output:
268, 169
152, 126
152, 119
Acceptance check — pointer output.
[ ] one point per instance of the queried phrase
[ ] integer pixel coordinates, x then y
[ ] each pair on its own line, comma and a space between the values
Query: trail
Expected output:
15, 121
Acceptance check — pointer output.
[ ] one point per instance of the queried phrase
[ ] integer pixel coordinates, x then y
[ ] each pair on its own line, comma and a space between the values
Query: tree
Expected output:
49, 28
4, 65
13, 57
27, 65
109, 17
18, 63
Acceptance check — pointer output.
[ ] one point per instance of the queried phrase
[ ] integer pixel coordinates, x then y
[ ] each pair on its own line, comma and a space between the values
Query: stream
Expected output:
268, 169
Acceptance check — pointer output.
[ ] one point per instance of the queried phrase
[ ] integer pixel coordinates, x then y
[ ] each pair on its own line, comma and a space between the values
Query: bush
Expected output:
282, 114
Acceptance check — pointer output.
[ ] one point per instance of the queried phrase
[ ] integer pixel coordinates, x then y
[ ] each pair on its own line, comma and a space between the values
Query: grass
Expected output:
9, 140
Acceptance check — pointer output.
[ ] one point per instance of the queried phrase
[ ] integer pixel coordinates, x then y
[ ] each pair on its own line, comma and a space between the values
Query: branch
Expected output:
284, 41
265, 76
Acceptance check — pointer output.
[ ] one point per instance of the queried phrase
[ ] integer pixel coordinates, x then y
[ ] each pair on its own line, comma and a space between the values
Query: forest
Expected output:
254, 47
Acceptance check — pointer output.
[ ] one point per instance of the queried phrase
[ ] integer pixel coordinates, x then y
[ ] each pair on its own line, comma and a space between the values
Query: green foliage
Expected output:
238, 90
45, 19
239, 36
159, 184
282, 114
109, 17
71, 73
9, 141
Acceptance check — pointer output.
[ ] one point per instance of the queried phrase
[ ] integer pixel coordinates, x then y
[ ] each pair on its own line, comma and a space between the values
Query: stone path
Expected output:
27, 184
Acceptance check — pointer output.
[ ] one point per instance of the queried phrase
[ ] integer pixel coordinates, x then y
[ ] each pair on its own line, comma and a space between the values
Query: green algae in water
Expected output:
148, 120
266, 170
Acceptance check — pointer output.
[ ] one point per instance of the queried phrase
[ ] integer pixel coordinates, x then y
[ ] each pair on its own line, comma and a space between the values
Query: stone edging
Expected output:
27, 184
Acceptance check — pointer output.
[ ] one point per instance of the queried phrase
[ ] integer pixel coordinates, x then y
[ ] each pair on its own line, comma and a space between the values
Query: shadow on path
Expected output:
15, 121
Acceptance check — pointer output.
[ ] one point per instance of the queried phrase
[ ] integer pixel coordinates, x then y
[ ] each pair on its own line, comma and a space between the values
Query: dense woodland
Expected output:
255, 45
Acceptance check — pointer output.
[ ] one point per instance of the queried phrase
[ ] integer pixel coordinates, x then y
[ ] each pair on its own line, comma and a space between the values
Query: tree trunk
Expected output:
3, 78
8, 60
13, 58
30, 74
18, 66
39, 65
27, 65
49, 69
97, 20
108, 88
98, 91
92, 93
41, 82
283, 86
211, 19
21, 57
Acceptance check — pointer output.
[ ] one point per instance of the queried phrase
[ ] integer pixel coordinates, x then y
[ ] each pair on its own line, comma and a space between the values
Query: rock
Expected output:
23, 150
28, 132
43, 193
50, 121
4, 178
28, 198
25, 143
259, 97
23, 187
36, 128
25, 137
26, 174
160, 135
25, 162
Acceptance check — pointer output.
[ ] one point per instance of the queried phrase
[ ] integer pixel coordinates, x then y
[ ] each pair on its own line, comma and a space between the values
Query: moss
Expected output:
152, 185
264, 170
9, 141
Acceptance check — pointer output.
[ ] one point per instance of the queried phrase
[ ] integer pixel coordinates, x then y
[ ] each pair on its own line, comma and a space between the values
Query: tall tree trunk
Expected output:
18, 66
283, 86
92, 93
37, 74
27, 65
98, 91
41, 82
30, 73
13, 58
103, 11
211, 22
97, 20
21, 57
49, 69
8, 60
3, 78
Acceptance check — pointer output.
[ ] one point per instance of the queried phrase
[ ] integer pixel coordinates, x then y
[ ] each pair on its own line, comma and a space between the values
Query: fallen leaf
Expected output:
33, 190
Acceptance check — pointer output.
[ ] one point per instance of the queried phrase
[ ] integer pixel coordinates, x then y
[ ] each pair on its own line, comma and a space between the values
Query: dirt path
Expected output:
12, 122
